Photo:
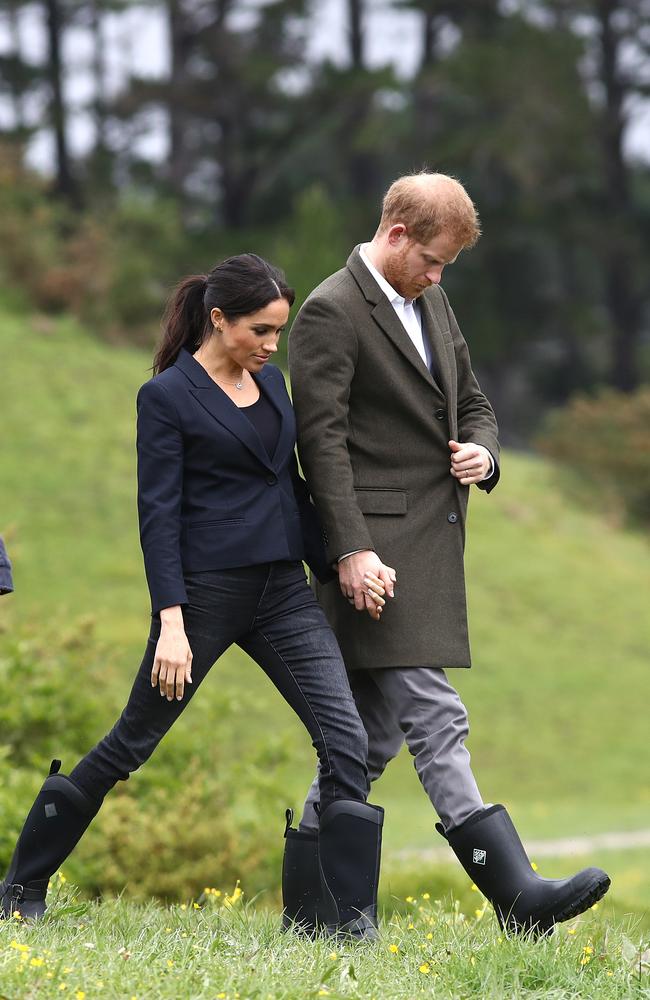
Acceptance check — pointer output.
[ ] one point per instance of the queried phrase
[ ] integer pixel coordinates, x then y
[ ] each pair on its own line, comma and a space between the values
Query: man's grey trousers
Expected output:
419, 705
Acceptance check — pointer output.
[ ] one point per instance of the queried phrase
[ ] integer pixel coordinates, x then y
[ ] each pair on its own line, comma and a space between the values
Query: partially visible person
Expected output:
225, 522
6, 579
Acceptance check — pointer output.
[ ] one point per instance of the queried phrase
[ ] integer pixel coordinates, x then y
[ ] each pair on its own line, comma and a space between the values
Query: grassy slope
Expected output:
558, 600
118, 950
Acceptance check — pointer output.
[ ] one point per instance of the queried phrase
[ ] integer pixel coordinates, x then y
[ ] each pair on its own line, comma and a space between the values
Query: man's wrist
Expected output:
346, 555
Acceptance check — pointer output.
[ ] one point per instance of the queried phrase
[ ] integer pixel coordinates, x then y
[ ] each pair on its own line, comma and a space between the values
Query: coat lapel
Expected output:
385, 316
444, 358
221, 407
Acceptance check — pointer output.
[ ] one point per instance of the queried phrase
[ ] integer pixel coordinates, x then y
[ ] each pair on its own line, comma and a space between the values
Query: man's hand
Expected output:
172, 665
470, 463
363, 579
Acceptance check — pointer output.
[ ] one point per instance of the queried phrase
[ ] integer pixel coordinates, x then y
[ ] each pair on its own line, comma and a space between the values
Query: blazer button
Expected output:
272, 480
452, 517
440, 414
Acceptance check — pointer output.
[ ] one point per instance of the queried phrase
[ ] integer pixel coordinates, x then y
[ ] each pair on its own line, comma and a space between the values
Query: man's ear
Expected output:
396, 234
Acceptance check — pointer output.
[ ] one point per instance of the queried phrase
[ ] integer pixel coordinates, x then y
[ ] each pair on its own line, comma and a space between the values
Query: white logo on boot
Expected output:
50, 810
479, 857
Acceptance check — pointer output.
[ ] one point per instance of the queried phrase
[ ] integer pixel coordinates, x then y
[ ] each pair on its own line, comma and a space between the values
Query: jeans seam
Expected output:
306, 701
262, 596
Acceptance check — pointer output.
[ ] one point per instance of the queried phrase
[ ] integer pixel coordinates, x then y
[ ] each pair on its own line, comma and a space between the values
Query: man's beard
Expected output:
396, 274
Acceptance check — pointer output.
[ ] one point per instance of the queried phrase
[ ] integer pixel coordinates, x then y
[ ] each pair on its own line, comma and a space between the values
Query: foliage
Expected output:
223, 948
604, 440
166, 831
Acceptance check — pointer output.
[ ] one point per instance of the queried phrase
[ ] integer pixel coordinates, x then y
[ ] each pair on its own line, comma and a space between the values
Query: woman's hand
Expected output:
172, 665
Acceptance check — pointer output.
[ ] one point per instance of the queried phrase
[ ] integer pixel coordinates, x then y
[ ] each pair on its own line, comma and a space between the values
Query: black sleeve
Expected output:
160, 488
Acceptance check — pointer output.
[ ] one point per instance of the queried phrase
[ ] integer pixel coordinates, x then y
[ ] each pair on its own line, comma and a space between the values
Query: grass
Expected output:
120, 950
558, 613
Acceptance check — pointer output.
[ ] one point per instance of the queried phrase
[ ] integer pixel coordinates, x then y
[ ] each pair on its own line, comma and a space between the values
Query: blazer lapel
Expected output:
278, 398
385, 316
220, 406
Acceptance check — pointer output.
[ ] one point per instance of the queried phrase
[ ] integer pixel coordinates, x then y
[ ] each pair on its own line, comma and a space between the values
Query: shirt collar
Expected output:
393, 297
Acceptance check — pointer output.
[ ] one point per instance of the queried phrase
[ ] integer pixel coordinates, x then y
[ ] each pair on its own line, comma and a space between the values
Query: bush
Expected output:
605, 441
191, 818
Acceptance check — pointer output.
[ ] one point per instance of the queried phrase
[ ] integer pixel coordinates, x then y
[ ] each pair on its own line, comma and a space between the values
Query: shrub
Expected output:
193, 817
605, 441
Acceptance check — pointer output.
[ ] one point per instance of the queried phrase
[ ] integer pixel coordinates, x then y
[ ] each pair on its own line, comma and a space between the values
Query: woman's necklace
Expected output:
237, 385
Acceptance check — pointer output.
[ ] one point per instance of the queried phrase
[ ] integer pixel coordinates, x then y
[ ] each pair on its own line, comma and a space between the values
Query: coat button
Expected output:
452, 517
440, 414
272, 480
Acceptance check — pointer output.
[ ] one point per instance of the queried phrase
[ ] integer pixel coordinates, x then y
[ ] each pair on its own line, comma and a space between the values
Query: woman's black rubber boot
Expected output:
58, 818
349, 849
489, 849
302, 900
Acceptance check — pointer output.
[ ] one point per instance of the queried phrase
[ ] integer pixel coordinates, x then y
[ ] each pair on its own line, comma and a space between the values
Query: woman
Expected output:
225, 522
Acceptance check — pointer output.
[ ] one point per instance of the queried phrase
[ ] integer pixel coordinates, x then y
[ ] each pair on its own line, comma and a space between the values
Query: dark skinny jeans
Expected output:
272, 614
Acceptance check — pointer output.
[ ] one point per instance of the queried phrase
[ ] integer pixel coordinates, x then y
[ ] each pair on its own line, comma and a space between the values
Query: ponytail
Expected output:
184, 322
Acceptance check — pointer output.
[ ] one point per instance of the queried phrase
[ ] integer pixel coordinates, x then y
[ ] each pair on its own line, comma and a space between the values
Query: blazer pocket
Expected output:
225, 521
381, 501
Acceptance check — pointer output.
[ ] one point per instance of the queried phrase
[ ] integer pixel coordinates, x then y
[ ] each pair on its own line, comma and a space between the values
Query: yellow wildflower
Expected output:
323, 993
425, 968
80, 995
425, 895
411, 927
183, 906
571, 930
17, 915
409, 899
37, 962
170, 963
333, 956
429, 936
474, 887
588, 950
394, 948
595, 907
533, 866
19, 947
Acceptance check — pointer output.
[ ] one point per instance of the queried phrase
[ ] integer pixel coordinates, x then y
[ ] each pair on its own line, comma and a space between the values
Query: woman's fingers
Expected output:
155, 672
373, 609
375, 588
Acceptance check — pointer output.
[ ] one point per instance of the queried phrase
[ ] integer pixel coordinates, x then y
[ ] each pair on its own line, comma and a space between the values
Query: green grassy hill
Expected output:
558, 609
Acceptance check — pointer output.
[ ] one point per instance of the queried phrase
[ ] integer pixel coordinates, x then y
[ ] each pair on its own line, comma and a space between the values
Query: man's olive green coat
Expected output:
373, 432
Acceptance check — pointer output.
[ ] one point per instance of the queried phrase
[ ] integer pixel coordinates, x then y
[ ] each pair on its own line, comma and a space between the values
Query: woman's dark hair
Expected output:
238, 286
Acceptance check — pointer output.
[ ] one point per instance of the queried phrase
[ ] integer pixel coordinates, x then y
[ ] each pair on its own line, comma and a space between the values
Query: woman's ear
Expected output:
216, 318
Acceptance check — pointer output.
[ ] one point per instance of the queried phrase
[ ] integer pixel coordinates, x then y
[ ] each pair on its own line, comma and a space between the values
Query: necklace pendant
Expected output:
239, 385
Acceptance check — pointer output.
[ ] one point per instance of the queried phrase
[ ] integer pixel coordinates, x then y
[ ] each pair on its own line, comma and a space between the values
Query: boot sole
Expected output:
575, 907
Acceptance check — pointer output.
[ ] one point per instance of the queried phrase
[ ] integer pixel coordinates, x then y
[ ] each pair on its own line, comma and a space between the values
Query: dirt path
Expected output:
544, 848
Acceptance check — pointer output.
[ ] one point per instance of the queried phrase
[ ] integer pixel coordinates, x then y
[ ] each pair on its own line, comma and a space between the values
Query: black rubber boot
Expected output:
489, 849
302, 900
58, 818
349, 850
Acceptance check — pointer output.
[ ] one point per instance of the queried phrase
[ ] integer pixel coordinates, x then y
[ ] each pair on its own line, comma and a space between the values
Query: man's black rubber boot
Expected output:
489, 849
349, 850
302, 900
59, 816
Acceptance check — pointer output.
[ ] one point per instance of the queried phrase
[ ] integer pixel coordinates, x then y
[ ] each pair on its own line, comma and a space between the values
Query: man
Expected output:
393, 429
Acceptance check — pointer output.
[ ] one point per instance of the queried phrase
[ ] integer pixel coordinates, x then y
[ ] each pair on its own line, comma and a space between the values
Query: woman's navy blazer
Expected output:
209, 495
